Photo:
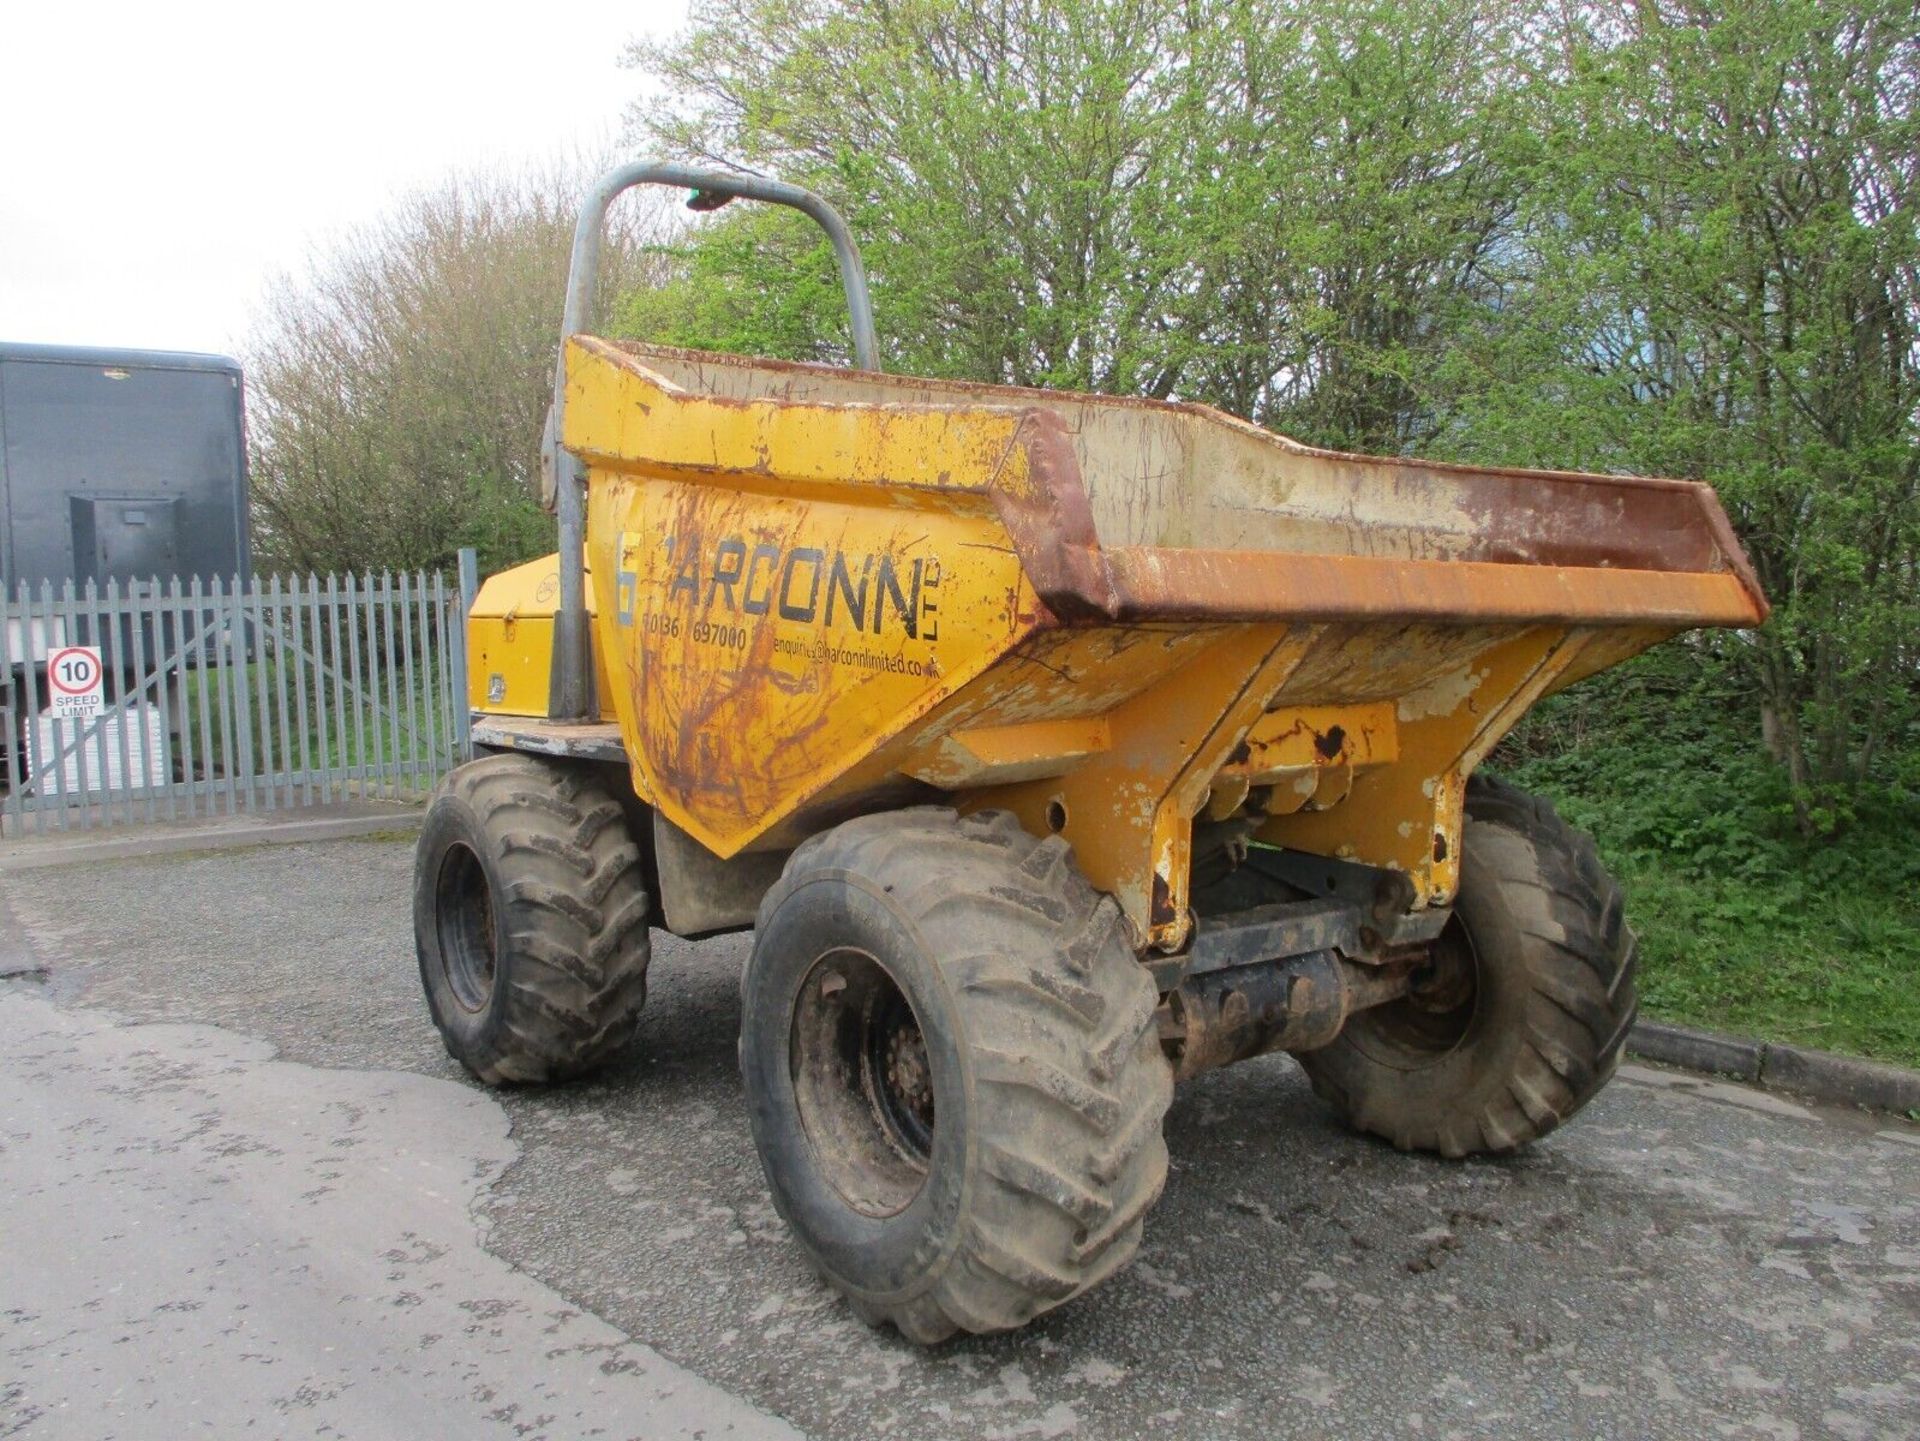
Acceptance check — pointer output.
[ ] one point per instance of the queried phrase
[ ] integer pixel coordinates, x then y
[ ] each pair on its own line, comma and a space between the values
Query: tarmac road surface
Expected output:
241, 1185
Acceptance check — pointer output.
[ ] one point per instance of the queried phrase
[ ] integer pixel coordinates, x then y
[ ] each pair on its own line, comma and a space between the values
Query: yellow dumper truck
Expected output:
1055, 747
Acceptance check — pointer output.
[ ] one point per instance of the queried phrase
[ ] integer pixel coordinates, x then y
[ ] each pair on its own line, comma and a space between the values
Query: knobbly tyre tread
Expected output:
571, 974
1576, 959
1070, 1078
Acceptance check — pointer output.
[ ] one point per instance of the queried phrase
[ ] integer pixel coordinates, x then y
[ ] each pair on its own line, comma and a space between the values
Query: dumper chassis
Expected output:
1056, 748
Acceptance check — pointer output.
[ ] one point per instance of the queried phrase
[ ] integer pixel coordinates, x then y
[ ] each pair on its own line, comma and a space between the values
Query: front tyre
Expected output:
1527, 1006
955, 1083
530, 914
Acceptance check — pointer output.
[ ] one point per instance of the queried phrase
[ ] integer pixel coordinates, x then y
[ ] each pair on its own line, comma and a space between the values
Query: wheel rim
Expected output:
463, 907
1433, 1020
862, 1082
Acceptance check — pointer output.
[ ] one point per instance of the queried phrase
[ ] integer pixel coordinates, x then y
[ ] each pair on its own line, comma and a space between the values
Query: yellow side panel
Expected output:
510, 642
762, 644
509, 664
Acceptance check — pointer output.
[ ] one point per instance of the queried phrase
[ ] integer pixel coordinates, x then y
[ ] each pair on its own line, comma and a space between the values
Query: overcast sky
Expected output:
159, 161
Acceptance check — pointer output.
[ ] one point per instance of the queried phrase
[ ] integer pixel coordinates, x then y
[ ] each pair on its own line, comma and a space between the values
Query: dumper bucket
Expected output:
1124, 620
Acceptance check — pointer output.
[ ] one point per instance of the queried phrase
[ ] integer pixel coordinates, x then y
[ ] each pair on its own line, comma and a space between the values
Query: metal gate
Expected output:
226, 697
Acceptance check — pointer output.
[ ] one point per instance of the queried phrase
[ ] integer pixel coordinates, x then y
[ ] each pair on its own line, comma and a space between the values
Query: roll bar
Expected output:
712, 189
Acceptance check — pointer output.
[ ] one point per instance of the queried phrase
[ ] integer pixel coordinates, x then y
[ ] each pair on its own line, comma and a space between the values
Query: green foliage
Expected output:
1713, 274
724, 294
1224, 200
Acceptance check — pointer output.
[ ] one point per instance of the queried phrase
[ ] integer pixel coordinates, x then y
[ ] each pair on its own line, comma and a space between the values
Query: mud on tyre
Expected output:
955, 1082
1524, 1016
530, 913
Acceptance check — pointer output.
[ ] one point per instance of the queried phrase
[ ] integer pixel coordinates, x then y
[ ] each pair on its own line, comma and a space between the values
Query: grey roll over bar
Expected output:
712, 189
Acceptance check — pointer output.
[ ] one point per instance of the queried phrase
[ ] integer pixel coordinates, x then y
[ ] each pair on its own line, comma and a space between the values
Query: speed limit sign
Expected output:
75, 682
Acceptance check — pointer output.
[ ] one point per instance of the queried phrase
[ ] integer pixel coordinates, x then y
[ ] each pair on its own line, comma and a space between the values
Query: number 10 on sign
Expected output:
75, 682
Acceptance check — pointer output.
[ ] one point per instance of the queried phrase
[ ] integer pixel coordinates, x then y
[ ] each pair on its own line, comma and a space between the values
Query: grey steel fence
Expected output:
223, 697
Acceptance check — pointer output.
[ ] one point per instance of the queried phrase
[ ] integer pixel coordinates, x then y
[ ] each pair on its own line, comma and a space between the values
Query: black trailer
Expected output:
121, 465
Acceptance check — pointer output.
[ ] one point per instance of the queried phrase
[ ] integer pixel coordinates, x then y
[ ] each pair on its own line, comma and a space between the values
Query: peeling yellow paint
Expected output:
1443, 696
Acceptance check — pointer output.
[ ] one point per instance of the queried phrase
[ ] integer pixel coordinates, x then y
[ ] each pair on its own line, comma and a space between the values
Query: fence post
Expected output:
111, 634
74, 799
462, 711
31, 674
19, 723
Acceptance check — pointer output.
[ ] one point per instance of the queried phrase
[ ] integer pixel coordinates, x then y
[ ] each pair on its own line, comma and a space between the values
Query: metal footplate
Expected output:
576, 740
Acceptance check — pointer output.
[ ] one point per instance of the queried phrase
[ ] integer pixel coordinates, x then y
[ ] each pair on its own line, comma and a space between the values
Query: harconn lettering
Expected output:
872, 593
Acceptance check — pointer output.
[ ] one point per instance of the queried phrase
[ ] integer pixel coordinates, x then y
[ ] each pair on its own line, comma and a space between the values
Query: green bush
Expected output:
1745, 923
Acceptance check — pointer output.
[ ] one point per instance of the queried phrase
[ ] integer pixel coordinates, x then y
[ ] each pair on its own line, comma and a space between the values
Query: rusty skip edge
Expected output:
1052, 529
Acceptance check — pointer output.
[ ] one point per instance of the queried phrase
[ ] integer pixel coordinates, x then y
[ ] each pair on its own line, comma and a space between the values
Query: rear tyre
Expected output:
530, 919
954, 1078
1528, 1006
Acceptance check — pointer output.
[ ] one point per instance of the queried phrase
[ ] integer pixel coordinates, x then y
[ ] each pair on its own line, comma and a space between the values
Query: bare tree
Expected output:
397, 390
